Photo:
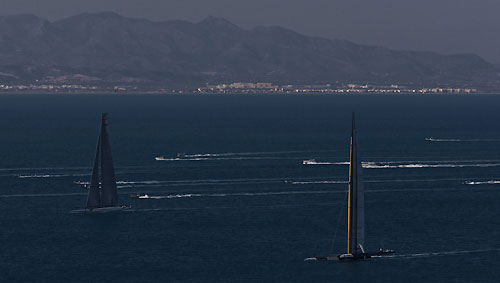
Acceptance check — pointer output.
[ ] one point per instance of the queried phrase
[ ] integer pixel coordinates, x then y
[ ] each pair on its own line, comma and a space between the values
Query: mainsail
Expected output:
356, 201
94, 197
109, 194
103, 193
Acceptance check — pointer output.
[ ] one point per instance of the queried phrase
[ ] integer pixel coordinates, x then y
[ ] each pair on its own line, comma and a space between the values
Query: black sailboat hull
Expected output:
353, 257
102, 209
360, 256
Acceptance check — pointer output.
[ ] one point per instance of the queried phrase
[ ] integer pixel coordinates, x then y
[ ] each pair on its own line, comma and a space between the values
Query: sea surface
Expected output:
224, 213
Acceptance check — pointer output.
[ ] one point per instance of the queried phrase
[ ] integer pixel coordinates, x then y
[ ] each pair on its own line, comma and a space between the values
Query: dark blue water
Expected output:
229, 216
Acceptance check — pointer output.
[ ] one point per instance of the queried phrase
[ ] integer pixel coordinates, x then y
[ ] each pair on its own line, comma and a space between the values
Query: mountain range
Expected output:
106, 48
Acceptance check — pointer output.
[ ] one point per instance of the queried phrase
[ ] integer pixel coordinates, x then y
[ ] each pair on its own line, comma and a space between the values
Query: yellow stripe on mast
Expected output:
349, 205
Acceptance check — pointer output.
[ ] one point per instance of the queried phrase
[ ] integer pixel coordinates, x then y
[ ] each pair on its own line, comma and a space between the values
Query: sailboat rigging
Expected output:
355, 210
103, 194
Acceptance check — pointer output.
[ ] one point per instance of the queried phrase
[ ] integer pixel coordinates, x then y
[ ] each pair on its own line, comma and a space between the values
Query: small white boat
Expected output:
160, 158
141, 196
309, 161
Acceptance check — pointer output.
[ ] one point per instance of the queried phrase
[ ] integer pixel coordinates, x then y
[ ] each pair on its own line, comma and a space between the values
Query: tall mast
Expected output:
355, 217
350, 206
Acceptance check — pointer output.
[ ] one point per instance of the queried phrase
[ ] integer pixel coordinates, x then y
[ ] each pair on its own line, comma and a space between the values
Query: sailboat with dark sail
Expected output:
355, 213
103, 194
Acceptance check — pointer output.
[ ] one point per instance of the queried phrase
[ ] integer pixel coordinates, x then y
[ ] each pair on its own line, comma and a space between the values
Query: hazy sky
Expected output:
445, 26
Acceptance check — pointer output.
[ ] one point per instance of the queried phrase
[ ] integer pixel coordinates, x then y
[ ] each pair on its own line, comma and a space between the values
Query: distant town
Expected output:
325, 88
243, 88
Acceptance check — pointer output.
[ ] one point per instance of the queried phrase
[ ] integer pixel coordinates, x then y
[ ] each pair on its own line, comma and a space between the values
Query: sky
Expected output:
444, 26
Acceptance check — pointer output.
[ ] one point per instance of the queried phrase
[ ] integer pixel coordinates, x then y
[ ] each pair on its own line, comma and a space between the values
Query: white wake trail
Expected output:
317, 182
414, 164
42, 195
433, 254
254, 153
374, 165
50, 175
461, 140
220, 158
236, 194
491, 182
233, 207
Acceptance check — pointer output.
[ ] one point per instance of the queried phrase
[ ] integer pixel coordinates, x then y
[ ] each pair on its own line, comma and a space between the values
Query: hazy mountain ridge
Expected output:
110, 48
